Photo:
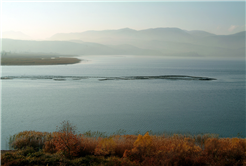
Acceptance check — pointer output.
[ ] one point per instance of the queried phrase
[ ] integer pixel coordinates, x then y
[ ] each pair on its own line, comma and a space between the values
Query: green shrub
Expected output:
26, 151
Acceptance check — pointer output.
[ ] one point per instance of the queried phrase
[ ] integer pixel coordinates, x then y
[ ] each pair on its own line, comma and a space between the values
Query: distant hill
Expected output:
156, 41
130, 36
72, 47
15, 35
124, 35
200, 33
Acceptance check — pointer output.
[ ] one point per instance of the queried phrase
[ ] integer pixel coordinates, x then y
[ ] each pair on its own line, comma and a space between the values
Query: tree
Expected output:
66, 140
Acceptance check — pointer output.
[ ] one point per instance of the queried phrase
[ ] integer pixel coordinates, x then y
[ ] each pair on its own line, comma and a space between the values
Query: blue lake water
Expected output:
183, 106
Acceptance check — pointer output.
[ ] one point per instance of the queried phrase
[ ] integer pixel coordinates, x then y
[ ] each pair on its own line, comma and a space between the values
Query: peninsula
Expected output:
37, 59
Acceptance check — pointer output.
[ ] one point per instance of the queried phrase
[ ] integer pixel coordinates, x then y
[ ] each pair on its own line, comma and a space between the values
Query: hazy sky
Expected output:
41, 20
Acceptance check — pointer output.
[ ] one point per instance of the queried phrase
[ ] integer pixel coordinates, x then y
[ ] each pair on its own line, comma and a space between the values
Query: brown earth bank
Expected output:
37, 60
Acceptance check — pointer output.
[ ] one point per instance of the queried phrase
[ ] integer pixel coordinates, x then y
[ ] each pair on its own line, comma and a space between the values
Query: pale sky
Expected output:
41, 20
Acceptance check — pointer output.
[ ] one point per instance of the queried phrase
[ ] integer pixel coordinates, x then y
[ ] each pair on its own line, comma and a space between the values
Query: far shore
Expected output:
11, 60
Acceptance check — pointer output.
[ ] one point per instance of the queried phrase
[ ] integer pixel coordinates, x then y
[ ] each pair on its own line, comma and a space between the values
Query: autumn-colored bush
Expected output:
88, 145
67, 143
201, 139
65, 140
123, 143
71, 144
65, 147
50, 147
226, 151
176, 150
160, 150
142, 148
29, 138
105, 147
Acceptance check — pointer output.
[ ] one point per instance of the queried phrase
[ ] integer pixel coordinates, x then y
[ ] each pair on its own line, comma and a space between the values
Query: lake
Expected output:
160, 105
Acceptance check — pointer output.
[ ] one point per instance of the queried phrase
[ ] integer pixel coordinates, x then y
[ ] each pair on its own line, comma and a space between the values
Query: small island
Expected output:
37, 59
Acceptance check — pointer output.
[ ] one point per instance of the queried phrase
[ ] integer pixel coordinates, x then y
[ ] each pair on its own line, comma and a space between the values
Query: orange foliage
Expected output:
177, 150
50, 147
105, 147
227, 151
123, 143
140, 150
157, 150
67, 142
88, 145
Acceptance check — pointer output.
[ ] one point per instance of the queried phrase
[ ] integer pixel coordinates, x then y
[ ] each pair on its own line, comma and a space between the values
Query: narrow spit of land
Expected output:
36, 59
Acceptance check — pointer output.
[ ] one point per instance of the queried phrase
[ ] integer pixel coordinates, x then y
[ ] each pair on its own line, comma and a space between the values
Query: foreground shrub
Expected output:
69, 143
177, 150
87, 146
12, 159
157, 150
105, 147
49, 146
226, 151
26, 151
66, 141
123, 143
65, 147
29, 138
201, 139
116, 161
143, 147
19, 158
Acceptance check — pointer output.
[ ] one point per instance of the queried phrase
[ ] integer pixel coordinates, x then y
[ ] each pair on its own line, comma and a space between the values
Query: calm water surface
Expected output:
133, 105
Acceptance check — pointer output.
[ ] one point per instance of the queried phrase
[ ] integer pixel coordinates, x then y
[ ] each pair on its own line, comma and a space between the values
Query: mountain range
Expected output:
156, 41
15, 35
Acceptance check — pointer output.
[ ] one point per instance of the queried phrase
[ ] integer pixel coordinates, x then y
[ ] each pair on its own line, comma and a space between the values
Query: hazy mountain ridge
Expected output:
156, 41
73, 48
200, 33
106, 36
15, 35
